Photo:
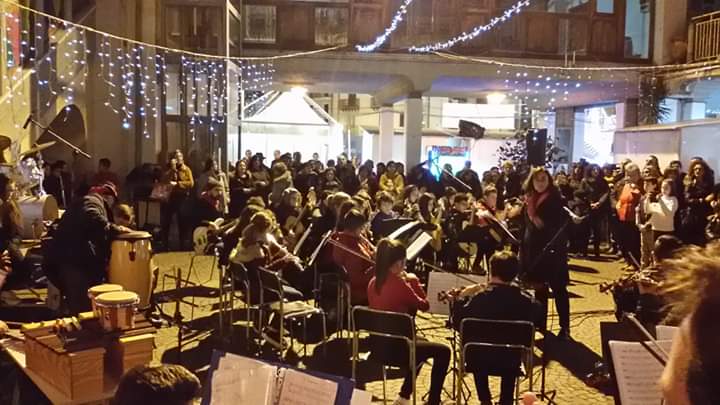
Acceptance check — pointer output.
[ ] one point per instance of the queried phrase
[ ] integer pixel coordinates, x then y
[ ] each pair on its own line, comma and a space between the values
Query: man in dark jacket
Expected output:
502, 301
80, 251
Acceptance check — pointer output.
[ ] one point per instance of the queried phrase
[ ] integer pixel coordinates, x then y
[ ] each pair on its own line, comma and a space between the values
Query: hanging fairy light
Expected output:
380, 40
468, 36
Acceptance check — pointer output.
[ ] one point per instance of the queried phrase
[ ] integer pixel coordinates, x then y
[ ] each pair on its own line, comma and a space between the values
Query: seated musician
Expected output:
500, 300
409, 206
257, 248
431, 213
355, 253
392, 289
10, 225
79, 253
651, 307
384, 203
209, 206
458, 217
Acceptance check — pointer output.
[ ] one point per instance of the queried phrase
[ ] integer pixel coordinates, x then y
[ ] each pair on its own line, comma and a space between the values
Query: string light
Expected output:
468, 36
380, 40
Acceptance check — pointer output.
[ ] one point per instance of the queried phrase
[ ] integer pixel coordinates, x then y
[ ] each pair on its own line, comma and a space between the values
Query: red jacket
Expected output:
398, 295
627, 202
360, 270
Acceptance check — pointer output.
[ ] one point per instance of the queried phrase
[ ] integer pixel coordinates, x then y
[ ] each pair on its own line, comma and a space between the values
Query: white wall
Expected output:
703, 141
665, 144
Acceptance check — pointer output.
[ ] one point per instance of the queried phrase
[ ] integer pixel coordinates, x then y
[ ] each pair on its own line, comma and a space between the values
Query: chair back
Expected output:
270, 283
496, 347
392, 334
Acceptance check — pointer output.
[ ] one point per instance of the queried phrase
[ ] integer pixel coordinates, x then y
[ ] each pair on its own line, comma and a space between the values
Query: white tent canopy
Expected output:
292, 122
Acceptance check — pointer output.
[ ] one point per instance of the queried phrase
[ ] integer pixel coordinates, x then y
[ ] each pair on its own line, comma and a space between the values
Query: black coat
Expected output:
550, 266
83, 236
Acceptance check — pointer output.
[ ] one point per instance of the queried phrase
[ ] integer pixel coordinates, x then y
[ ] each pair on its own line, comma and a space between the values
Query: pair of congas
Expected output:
131, 265
114, 307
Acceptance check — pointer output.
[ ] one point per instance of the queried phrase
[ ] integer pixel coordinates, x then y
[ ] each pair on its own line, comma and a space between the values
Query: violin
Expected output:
294, 225
646, 277
453, 295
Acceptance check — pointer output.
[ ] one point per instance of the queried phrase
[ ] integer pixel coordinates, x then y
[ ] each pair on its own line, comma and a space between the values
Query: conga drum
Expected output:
117, 310
93, 292
131, 264
35, 211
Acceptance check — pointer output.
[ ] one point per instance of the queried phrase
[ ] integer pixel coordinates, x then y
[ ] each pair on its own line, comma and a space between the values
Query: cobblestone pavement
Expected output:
568, 362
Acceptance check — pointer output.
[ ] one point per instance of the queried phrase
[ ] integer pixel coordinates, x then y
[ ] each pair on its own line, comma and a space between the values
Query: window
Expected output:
637, 29
331, 24
556, 6
260, 24
605, 6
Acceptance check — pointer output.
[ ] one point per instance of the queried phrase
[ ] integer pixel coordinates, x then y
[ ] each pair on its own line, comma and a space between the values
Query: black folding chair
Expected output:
496, 348
239, 276
392, 332
272, 285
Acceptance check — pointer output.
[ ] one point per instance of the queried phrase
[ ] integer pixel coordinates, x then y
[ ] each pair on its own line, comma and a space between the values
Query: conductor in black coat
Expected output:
544, 251
501, 300
80, 250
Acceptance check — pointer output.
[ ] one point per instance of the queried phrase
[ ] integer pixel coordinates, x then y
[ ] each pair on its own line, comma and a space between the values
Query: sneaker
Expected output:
402, 401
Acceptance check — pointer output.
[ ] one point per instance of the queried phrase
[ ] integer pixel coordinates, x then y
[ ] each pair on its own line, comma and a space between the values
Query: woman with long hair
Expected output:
10, 227
698, 192
543, 252
598, 194
240, 188
392, 289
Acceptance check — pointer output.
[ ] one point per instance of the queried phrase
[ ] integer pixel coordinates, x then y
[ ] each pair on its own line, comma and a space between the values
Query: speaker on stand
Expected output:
536, 144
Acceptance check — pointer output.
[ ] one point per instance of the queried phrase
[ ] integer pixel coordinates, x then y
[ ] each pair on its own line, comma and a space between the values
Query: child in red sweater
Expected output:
392, 289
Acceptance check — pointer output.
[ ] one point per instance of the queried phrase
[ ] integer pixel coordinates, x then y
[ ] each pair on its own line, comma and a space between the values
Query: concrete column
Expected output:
670, 24
413, 130
626, 114
385, 139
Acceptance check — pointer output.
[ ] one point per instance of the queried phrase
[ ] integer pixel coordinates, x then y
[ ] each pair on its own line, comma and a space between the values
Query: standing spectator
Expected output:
698, 192
392, 182
276, 157
282, 179
240, 188
296, 163
510, 183
642, 219
210, 178
367, 180
260, 176
306, 178
470, 177
662, 210
180, 178
628, 192
598, 195
104, 174
55, 186
329, 182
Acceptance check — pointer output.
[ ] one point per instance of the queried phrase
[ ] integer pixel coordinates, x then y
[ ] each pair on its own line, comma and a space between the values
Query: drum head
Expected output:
136, 235
117, 298
104, 288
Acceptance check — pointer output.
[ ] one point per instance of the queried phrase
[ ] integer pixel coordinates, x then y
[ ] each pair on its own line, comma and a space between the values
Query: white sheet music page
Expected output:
304, 389
360, 397
231, 361
418, 244
637, 372
244, 386
439, 281
664, 332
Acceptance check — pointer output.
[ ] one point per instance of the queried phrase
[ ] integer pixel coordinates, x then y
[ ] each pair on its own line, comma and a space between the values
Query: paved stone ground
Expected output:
569, 362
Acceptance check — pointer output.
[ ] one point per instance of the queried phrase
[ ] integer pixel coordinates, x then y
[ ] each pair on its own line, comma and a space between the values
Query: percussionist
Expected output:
80, 249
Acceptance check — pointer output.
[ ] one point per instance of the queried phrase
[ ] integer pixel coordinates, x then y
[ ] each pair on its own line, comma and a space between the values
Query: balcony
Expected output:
573, 29
704, 38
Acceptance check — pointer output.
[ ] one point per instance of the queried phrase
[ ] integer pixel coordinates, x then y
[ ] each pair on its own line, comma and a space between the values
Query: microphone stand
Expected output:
75, 149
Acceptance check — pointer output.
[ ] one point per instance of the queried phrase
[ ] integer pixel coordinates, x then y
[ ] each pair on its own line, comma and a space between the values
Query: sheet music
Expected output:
637, 372
418, 244
231, 361
440, 281
360, 397
398, 232
303, 389
244, 386
664, 332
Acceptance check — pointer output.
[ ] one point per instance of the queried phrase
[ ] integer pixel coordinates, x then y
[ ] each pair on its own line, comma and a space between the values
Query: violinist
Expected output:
257, 248
292, 216
384, 204
458, 218
431, 213
409, 206
392, 289
355, 254
500, 300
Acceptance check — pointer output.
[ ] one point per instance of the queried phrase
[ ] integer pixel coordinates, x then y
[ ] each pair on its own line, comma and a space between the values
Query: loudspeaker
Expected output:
470, 130
536, 143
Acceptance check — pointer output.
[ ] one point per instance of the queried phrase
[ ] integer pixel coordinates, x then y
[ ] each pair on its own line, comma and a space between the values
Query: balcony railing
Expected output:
704, 38
580, 32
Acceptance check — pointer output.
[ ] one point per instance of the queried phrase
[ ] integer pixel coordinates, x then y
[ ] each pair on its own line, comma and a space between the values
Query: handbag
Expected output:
161, 192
